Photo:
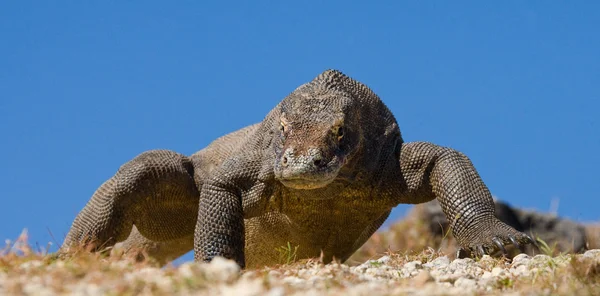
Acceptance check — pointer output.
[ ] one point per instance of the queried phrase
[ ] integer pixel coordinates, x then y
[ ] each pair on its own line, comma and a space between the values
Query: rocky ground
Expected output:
427, 273
412, 257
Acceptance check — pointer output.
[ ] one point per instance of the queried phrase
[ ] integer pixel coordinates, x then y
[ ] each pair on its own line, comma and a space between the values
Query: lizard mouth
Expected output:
307, 183
307, 171
301, 177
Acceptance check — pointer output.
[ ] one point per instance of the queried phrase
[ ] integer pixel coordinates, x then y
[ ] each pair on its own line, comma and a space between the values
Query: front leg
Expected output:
432, 171
235, 191
220, 224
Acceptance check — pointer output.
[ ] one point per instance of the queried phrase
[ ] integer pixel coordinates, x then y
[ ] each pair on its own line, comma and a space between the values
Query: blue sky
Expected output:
85, 87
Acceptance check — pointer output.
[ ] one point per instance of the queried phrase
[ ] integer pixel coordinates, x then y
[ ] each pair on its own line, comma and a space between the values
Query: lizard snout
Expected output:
304, 163
308, 170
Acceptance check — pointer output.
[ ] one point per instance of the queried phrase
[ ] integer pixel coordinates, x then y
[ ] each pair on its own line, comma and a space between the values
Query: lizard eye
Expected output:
340, 133
283, 123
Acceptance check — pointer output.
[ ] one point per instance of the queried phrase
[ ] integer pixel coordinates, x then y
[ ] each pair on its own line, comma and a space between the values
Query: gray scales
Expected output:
322, 172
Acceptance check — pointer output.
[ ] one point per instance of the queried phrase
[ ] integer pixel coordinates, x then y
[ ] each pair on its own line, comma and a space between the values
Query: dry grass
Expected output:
408, 235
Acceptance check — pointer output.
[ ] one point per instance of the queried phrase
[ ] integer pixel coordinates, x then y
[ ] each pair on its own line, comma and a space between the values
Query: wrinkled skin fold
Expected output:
321, 173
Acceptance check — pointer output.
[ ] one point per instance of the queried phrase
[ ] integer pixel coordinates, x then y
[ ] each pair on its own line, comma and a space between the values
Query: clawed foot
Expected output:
497, 243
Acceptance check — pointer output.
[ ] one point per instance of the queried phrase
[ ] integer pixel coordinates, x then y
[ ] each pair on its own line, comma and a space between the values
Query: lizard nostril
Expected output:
284, 160
318, 162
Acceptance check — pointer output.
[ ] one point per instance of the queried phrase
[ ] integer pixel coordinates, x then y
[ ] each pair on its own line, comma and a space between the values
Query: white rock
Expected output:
304, 273
541, 257
164, 283
521, 259
31, 264
277, 291
243, 287
460, 273
377, 272
148, 272
366, 277
460, 266
88, 289
595, 253
313, 280
438, 262
498, 271
534, 270
294, 281
463, 262
36, 289
475, 270
521, 270
187, 270
413, 265
486, 260
384, 259
151, 275
222, 269
465, 283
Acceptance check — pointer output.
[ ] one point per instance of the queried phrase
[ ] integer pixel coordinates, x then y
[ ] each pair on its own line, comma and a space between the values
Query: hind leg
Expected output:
155, 191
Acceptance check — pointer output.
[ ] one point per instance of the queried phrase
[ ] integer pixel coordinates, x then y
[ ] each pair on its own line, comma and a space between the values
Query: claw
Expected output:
500, 245
481, 250
516, 243
533, 241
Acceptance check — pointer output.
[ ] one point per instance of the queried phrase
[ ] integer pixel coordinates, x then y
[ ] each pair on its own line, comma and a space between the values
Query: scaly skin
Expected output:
322, 172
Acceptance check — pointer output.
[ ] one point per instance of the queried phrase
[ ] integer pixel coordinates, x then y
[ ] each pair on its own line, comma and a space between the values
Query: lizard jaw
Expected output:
305, 176
306, 183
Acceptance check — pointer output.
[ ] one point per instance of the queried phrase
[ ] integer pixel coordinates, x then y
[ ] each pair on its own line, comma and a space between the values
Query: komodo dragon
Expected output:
322, 171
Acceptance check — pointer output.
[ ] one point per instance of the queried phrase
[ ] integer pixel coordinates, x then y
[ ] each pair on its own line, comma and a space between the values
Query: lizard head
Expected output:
319, 129
312, 152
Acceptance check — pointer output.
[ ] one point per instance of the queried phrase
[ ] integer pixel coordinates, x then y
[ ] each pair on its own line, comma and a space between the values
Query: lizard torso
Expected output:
350, 209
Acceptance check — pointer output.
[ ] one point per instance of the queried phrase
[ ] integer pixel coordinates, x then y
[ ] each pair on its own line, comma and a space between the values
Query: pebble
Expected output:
521, 270
498, 271
293, 280
384, 259
186, 270
413, 265
31, 265
277, 291
438, 262
466, 283
221, 269
520, 259
595, 253
487, 262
